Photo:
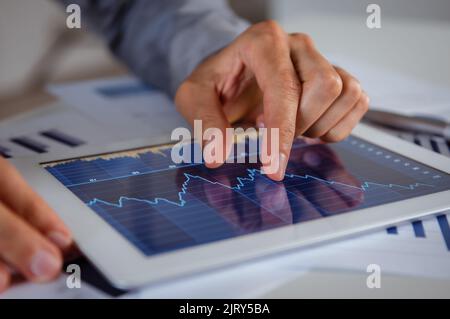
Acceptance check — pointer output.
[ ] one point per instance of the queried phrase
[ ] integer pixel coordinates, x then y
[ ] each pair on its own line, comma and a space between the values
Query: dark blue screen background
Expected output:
160, 207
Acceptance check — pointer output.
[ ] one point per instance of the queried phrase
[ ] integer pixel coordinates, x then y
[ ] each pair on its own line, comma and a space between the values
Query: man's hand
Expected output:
276, 80
32, 237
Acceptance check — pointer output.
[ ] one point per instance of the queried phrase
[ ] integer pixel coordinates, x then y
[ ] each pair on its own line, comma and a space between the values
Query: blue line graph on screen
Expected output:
160, 206
241, 183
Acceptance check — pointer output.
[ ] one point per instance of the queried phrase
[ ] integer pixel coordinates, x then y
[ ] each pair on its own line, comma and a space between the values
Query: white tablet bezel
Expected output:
126, 267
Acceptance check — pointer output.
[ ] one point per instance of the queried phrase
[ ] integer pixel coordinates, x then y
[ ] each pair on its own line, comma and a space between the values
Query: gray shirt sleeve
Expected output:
162, 41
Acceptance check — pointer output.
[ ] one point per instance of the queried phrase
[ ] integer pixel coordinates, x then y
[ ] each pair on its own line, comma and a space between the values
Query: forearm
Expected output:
163, 41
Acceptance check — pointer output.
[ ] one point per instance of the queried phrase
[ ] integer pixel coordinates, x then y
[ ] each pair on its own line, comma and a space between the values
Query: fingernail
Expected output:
282, 165
260, 124
59, 239
44, 265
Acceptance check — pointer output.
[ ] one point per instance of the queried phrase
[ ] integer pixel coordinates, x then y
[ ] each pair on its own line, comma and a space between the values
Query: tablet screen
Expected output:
159, 206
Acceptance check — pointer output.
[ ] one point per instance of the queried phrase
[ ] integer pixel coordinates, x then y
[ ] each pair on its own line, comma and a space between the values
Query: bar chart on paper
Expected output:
418, 229
415, 249
134, 111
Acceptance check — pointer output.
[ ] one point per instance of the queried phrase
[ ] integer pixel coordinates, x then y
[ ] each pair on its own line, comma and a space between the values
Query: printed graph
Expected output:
419, 230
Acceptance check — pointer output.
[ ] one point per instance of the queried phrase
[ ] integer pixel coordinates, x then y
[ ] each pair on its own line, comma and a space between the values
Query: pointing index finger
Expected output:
265, 51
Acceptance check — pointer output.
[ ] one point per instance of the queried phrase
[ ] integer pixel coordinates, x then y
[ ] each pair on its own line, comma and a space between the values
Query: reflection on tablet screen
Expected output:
160, 207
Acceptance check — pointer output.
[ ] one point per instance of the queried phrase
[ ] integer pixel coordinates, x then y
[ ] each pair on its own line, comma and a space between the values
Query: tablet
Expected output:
140, 218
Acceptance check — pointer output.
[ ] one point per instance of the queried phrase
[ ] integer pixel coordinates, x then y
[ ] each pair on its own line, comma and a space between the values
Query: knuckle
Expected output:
363, 105
270, 27
330, 84
366, 101
268, 32
353, 89
303, 40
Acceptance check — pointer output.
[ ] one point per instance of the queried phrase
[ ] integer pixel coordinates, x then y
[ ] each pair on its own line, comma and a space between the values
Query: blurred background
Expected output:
36, 46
